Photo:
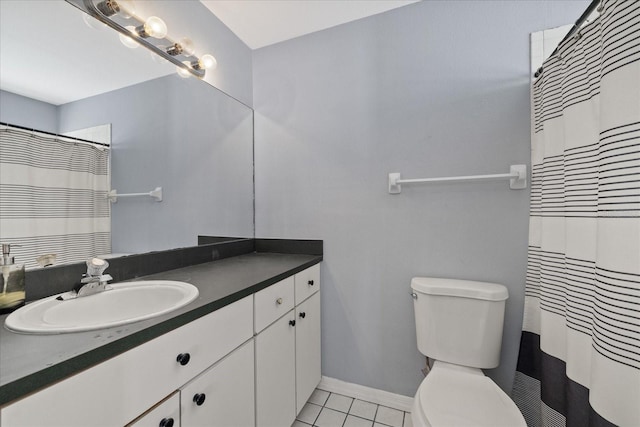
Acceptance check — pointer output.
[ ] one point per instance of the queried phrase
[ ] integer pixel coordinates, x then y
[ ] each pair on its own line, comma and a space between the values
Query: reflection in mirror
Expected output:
179, 134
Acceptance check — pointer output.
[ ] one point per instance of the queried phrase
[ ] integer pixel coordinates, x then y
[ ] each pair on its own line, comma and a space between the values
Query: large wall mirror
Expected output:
62, 72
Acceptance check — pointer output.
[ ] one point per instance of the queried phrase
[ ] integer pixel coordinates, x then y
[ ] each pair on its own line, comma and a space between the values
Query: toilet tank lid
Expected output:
460, 288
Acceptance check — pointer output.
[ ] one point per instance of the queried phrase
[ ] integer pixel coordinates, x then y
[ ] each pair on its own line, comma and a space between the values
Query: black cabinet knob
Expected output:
310, 282
292, 322
199, 399
303, 315
183, 358
166, 422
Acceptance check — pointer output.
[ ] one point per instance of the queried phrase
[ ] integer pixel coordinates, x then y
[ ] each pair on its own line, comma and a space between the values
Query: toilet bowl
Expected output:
459, 396
459, 325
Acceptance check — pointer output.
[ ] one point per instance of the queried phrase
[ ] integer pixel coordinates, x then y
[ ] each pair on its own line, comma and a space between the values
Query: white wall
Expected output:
430, 89
22, 111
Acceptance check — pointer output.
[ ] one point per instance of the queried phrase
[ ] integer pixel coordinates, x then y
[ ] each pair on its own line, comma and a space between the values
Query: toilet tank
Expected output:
459, 321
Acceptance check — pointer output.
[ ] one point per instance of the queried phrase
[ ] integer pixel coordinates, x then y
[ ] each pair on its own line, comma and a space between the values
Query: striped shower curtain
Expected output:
53, 197
579, 362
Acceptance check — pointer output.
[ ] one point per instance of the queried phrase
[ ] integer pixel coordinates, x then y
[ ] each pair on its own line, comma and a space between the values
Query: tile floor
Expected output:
325, 409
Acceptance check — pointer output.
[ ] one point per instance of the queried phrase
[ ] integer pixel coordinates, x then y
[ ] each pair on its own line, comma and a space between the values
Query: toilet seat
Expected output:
453, 395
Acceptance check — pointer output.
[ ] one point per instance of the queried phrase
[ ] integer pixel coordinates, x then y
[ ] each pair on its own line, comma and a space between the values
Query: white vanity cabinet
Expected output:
287, 350
254, 362
223, 395
117, 391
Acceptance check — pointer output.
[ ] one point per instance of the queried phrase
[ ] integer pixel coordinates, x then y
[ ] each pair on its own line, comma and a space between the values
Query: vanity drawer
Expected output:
307, 283
183, 353
120, 389
273, 302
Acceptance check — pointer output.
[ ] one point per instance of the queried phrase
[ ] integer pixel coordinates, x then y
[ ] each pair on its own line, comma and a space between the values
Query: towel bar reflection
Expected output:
156, 194
517, 177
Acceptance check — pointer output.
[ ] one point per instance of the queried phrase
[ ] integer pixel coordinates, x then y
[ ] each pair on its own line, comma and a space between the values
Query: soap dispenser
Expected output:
11, 281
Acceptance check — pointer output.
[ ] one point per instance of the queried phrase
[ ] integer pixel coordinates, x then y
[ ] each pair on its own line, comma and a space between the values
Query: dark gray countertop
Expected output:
31, 362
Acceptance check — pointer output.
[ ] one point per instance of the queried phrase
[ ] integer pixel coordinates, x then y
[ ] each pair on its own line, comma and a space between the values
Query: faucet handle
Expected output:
96, 266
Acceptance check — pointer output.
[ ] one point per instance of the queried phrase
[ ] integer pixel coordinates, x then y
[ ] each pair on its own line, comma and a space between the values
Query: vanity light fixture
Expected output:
150, 33
124, 8
127, 40
184, 47
206, 62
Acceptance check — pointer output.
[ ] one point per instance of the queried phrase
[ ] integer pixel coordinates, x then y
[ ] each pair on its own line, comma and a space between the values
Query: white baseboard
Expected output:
379, 397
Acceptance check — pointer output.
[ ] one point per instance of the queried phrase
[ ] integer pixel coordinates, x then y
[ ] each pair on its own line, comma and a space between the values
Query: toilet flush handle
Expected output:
413, 295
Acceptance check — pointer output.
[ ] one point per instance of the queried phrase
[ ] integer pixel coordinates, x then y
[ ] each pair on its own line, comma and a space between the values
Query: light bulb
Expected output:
208, 62
182, 72
128, 41
155, 27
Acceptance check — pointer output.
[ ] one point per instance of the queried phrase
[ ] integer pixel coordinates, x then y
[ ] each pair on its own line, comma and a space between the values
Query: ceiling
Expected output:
260, 23
48, 53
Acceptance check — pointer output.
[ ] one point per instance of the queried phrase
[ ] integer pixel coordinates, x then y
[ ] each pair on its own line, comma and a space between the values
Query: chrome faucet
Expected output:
94, 280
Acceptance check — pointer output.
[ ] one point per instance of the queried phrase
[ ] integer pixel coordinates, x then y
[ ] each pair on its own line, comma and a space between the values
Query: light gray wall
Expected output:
186, 137
430, 89
22, 111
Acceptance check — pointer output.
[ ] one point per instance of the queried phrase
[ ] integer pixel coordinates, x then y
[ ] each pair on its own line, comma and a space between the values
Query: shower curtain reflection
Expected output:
53, 197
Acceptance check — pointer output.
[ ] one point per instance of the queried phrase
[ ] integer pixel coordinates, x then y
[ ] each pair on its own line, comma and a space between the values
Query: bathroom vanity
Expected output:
245, 353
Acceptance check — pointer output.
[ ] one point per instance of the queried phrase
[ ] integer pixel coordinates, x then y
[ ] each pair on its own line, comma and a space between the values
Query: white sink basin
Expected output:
125, 303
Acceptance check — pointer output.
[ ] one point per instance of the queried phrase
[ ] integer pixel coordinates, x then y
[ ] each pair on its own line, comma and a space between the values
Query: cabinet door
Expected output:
165, 414
307, 349
223, 395
275, 374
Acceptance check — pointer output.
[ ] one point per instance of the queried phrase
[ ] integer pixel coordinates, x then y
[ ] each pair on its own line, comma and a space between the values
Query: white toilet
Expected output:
459, 326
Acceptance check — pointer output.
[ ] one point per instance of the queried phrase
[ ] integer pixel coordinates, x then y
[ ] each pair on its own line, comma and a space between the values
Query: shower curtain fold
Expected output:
579, 362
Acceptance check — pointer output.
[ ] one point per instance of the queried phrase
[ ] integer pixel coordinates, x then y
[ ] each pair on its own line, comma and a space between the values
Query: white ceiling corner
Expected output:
260, 23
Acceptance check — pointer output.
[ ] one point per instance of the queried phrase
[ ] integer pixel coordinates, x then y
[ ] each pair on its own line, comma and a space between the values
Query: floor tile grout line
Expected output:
320, 411
347, 416
355, 398
376, 414
348, 413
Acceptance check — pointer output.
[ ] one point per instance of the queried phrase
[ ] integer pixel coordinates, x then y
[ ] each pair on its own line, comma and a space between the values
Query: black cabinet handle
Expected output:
166, 422
292, 322
310, 282
303, 315
199, 398
183, 358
